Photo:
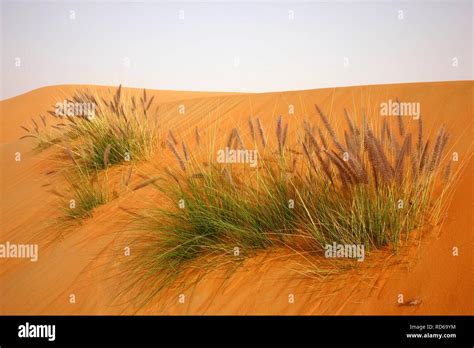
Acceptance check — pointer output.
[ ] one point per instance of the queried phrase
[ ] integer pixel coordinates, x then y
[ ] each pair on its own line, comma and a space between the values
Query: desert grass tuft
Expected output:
44, 135
100, 133
86, 196
252, 130
115, 125
361, 193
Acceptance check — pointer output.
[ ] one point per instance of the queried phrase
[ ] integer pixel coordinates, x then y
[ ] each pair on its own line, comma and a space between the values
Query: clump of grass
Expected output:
360, 191
127, 129
86, 194
97, 132
94, 123
44, 135
208, 213
378, 197
87, 189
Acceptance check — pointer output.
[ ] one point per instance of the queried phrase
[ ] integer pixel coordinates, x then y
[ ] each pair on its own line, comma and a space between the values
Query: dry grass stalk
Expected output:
262, 133
349, 142
401, 127
419, 145
285, 133
35, 126
322, 138
172, 137
252, 129
437, 150
331, 131
149, 104
377, 157
185, 151
27, 136
231, 138
447, 172
443, 145
145, 183
354, 159
197, 136
353, 137
176, 154
279, 134
70, 154
324, 163
117, 97
52, 113
56, 193
405, 151
354, 131
310, 136
308, 156
238, 139
143, 100
414, 165
393, 141
424, 157
168, 172
344, 173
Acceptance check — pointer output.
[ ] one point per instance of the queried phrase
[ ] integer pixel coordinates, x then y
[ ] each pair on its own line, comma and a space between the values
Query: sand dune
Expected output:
87, 259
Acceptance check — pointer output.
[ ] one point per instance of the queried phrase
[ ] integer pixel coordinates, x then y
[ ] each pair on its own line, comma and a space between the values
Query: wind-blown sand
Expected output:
85, 260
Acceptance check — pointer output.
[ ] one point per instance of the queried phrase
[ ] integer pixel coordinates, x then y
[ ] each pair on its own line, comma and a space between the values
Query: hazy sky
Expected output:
251, 46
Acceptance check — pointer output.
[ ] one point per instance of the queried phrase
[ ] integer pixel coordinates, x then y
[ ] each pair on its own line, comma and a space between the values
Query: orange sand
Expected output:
86, 260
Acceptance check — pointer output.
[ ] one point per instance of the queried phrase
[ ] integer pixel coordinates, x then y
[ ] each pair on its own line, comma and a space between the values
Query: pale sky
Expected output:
223, 46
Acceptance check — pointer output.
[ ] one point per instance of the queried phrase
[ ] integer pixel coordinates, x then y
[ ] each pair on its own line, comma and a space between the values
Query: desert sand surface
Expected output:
87, 259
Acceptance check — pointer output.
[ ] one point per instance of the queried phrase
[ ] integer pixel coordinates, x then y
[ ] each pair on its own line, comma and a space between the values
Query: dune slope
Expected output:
85, 260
